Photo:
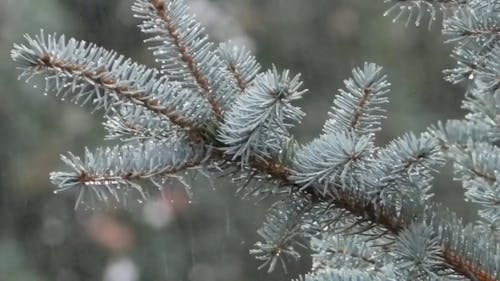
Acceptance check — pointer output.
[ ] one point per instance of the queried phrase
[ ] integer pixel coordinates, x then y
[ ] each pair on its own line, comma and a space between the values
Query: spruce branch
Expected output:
460, 133
417, 253
243, 121
488, 78
134, 123
408, 162
333, 159
470, 61
456, 242
257, 124
281, 232
477, 168
339, 275
241, 63
358, 108
416, 9
86, 73
344, 251
111, 175
184, 51
483, 109
474, 22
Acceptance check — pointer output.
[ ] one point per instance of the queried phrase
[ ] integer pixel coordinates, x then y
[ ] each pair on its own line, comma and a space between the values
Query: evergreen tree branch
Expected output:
281, 232
488, 77
358, 108
241, 64
417, 243
90, 73
474, 22
161, 13
257, 124
394, 220
460, 134
343, 274
333, 159
471, 61
417, 8
402, 171
136, 123
185, 51
344, 251
384, 188
477, 168
111, 174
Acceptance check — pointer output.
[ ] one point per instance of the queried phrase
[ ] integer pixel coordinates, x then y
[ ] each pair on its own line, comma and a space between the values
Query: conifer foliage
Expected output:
364, 211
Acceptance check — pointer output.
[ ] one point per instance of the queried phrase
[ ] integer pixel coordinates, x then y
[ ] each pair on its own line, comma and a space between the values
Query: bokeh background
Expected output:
205, 238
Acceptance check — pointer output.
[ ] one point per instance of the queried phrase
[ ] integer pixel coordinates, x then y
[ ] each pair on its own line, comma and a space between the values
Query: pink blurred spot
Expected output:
110, 233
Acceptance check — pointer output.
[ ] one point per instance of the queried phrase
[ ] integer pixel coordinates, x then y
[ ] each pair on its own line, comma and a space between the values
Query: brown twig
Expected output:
240, 82
86, 178
360, 108
489, 178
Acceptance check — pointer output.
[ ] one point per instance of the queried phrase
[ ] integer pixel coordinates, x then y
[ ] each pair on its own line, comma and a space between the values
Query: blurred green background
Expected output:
43, 238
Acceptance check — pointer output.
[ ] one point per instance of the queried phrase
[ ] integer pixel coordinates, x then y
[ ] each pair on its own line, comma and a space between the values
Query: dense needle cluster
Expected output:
364, 211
